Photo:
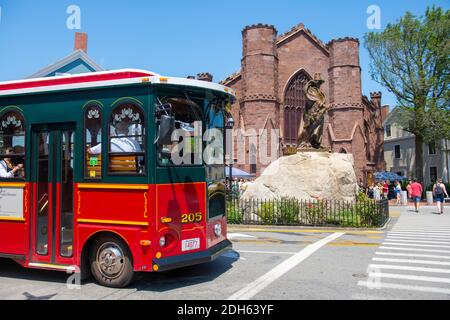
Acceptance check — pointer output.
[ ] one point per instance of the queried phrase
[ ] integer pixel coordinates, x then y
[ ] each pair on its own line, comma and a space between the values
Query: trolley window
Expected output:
12, 146
93, 138
126, 147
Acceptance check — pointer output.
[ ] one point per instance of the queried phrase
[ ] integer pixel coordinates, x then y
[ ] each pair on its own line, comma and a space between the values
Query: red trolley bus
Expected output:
87, 180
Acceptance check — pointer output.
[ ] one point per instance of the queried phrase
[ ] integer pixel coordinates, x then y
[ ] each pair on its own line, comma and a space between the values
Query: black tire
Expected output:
118, 272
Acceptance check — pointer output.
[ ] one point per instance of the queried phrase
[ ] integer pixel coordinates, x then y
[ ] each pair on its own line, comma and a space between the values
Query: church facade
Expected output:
271, 95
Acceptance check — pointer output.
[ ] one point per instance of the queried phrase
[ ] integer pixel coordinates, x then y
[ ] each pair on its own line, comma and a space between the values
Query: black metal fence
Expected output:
289, 211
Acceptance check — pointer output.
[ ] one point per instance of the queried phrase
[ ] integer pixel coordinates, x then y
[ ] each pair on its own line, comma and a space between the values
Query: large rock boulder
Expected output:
308, 176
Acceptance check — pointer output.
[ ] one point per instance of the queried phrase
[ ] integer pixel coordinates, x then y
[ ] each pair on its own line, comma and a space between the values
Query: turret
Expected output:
258, 100
260, 62
345, 72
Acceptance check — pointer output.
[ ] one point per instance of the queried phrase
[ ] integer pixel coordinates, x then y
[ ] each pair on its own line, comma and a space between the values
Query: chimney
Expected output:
384, 112
205, 76
375, 98
81, 40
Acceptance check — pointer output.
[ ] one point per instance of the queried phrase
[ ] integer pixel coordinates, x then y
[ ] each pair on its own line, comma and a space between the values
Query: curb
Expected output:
272, 227
385, 225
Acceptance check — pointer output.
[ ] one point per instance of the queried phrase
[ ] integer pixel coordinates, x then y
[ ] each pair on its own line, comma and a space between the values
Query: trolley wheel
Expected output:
110, 261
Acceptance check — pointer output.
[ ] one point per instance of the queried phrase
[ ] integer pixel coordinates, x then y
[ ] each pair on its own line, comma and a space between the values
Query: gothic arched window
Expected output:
294, 106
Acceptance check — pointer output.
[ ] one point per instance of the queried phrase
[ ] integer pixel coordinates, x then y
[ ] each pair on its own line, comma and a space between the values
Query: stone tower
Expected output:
258, 100
346, 107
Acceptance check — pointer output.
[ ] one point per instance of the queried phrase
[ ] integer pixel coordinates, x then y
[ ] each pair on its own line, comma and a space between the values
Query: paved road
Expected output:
408, 260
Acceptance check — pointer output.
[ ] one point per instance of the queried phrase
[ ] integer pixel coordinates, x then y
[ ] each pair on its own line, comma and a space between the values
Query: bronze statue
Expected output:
311, 128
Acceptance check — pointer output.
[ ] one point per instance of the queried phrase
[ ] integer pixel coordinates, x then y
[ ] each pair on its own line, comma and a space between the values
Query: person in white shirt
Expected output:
119, 144
7, 169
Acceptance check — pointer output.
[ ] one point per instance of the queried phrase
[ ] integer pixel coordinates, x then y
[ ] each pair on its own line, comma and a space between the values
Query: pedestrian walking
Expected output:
385, 190
370, 191
377, 190
398, 192
408, 188
439, 191
416, 194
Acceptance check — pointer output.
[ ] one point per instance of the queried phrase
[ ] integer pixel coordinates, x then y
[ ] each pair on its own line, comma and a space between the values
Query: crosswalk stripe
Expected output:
440, 263
415, 245
414, 249
404, 287
415, 252
422, 228
408, 277
407, 268
415, 236
415, 240
411, 255
440, 226
421, 233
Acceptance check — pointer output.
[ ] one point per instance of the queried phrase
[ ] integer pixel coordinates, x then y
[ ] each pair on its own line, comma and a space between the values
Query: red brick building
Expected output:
270, 87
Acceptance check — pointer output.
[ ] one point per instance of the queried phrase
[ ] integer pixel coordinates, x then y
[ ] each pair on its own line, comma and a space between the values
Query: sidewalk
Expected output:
393, 203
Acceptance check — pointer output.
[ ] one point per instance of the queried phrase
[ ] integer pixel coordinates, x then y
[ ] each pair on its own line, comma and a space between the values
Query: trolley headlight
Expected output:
218, 229
162, 241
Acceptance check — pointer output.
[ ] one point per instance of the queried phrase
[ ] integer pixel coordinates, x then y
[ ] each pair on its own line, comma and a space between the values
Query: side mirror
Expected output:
166, 128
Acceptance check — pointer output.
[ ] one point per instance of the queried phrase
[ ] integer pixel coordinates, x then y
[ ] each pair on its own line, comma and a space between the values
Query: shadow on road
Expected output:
185, 277
156, 282
11, 269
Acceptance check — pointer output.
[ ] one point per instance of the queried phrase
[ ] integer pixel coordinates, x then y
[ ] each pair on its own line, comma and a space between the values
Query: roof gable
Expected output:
301, 29
75, 63
285, 38
393, 116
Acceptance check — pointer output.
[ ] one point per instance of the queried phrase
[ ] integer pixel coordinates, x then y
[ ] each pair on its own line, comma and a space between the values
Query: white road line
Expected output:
415, 241
395, 254
413, 261
403, 287
266, 252
238, 235
413, 236
415, 245
414, 249
262, 282
406, 268
408, 277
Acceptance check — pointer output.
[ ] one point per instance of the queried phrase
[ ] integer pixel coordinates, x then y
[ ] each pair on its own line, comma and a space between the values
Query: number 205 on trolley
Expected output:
90, 173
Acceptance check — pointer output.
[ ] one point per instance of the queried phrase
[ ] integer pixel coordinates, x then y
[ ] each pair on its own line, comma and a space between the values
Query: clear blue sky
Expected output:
177, 38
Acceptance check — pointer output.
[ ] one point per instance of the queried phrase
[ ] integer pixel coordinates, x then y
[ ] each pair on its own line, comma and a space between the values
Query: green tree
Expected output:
411, 58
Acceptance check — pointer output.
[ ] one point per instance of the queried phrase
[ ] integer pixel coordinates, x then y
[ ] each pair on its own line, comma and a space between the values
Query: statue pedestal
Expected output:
307, 175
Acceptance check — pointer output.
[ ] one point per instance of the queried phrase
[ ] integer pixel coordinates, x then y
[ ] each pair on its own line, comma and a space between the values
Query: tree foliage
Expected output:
411, 58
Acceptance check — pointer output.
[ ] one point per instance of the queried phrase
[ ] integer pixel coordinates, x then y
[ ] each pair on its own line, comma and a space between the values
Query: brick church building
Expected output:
270, 94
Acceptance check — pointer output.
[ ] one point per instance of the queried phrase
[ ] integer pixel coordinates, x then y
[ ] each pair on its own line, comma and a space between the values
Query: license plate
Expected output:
190, 244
